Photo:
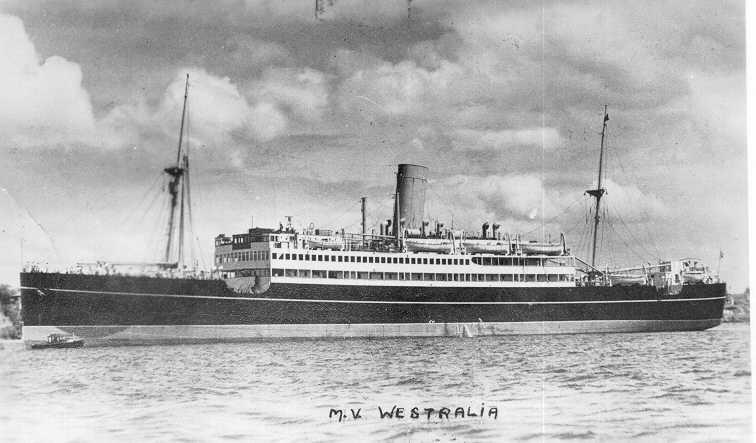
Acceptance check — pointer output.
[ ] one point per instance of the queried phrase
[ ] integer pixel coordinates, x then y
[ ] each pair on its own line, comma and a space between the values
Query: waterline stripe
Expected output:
390, 302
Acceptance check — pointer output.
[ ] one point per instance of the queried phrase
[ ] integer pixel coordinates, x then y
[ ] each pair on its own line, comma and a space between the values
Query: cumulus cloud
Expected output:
475, 140
494, 197
217, 112
302, 92
43, 101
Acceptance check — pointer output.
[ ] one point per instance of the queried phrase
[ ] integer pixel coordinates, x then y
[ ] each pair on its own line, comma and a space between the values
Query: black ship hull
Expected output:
110, 310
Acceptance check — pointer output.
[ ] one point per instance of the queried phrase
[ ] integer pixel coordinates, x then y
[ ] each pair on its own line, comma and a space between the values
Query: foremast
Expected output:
599, 191
178, 188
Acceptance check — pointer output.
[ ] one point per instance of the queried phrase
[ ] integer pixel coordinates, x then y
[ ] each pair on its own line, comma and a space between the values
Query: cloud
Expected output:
400, 89
475, 140
494, 197
523, 199
631, 204
303, 93
43, 102
217, 111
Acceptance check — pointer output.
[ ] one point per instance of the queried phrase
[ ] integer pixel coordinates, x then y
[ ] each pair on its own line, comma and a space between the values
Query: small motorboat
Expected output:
60, 341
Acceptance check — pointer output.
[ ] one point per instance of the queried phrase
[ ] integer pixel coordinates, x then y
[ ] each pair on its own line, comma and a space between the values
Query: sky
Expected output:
293, 115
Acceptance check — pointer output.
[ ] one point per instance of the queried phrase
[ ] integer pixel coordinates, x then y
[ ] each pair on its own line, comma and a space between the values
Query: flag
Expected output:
606, 118
721, 254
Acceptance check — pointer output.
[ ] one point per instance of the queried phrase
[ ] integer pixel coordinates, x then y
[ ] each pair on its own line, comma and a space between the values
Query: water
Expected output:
663, 386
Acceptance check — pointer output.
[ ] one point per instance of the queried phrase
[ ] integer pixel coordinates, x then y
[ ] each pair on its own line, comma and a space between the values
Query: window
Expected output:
553, 277
441, 277
401, 260
416, 276
370, 259
336, 274
286, 256
456, 277
320, 257
506, 277
401, 276
352, 259
383, 259
425, 262
319, 274
529, 277
467, 261
412, 260
395, 260
307, 257
275, 255
291, 272
278, 273
305, 273
541, 277
376, 276
428, 277
391, 276
473, 277
363, 275
456, 261
341, 259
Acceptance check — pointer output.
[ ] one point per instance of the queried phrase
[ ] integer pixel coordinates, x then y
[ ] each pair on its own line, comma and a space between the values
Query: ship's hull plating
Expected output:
141, 310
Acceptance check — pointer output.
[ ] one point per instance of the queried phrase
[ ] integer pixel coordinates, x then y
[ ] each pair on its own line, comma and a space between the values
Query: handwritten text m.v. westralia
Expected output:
417, 413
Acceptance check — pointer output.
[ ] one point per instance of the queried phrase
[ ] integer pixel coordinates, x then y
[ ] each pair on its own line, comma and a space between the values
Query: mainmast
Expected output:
599, 191
175, 186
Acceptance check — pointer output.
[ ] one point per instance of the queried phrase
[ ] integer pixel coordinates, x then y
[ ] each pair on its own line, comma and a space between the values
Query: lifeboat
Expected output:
694, 276
693, 271
486, 246
428, 245
626, 279
325, 243
536, 248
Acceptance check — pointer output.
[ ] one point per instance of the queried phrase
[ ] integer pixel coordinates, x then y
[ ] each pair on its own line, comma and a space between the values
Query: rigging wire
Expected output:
36, 222
628, 247
127, 218
651, 238
564, 211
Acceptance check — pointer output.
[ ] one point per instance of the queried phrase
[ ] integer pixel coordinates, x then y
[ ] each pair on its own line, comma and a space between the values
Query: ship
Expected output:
413, 278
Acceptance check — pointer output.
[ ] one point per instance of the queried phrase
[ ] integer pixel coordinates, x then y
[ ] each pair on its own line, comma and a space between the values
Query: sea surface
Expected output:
683, 386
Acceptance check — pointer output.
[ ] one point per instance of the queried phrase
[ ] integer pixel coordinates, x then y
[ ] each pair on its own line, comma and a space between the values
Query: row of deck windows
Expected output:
372, 259
486, 261
518, 261
241, 256
418, 276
